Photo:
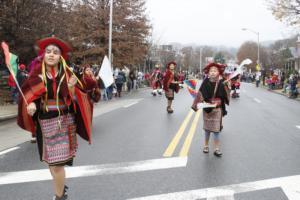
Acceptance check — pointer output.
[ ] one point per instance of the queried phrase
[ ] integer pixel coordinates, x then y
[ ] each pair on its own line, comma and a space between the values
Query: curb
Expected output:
7, 117
14, 115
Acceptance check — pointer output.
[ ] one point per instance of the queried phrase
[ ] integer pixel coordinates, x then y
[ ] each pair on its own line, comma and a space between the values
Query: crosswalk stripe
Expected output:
290, 186
94, 170
8, 150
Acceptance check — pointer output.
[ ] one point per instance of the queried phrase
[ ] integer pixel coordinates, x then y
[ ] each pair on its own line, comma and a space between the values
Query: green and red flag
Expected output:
11, 60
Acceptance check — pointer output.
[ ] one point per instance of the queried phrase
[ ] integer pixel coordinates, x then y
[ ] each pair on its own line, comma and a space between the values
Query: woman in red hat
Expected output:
213, 91
171, 84
156, 79
90, 84
55, 109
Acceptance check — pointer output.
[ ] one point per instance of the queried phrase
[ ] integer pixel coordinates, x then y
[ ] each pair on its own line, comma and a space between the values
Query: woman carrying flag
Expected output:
212, 91
55, 109
170, 84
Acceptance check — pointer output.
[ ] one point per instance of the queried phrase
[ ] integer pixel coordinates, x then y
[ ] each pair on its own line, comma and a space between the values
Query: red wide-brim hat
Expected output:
170, 63
220, 67
62, 45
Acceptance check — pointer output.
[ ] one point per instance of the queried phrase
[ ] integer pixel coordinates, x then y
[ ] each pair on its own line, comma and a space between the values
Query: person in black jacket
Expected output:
22, 74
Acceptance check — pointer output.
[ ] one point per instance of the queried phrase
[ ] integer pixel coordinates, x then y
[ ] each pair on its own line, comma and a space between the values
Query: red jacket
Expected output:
168, 79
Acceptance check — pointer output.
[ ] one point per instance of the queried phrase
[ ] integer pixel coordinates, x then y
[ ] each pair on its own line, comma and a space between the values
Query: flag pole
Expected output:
18, 86
6, 54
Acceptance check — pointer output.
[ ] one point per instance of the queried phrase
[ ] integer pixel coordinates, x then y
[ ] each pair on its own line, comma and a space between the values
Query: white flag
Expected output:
106, 73
239, 70
245, 62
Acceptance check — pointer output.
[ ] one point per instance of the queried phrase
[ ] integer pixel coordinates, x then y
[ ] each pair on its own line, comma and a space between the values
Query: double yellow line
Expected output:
188, 140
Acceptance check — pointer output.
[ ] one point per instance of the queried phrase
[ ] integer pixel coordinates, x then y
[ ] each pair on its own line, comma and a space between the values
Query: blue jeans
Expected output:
216, 136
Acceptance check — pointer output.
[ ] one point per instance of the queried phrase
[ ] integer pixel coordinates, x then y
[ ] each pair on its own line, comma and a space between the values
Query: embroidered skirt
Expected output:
170, 94
59, 140
213, 120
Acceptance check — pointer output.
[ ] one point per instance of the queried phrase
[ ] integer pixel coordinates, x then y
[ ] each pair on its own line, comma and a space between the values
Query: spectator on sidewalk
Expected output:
102, 87
120, 80
269, 82
140, 79
132, 77
293, 86
274, 81
13, 89
257, 78
22, 74
109, 91
282, 79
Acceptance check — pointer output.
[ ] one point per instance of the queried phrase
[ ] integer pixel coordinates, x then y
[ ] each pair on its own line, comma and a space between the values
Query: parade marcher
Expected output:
90, 84
212, 91
156, 80
235, 86
55, 108
170, 84
181, 78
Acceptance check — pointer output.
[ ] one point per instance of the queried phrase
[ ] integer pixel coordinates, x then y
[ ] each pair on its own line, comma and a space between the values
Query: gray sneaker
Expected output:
63, 197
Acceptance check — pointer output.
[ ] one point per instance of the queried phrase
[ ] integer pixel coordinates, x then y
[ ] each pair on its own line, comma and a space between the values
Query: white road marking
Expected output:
94, 170
131, 104
298, 127
107, 107
290, 186
8, 150
257, 100
223, 194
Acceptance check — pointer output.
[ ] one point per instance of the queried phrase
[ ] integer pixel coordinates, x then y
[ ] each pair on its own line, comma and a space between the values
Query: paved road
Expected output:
141, 152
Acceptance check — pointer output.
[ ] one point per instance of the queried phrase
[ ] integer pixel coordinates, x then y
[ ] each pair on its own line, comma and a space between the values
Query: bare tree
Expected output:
286, 10
249, 50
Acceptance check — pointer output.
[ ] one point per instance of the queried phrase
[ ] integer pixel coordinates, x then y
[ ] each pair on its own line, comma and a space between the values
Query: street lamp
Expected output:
201, 49
110, 31
257, 33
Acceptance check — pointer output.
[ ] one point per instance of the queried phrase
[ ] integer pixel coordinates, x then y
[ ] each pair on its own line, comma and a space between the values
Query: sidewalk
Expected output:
8, 112
278, 91
13, 135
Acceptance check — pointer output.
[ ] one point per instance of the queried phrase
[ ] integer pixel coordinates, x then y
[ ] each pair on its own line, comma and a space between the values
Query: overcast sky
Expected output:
213, 22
